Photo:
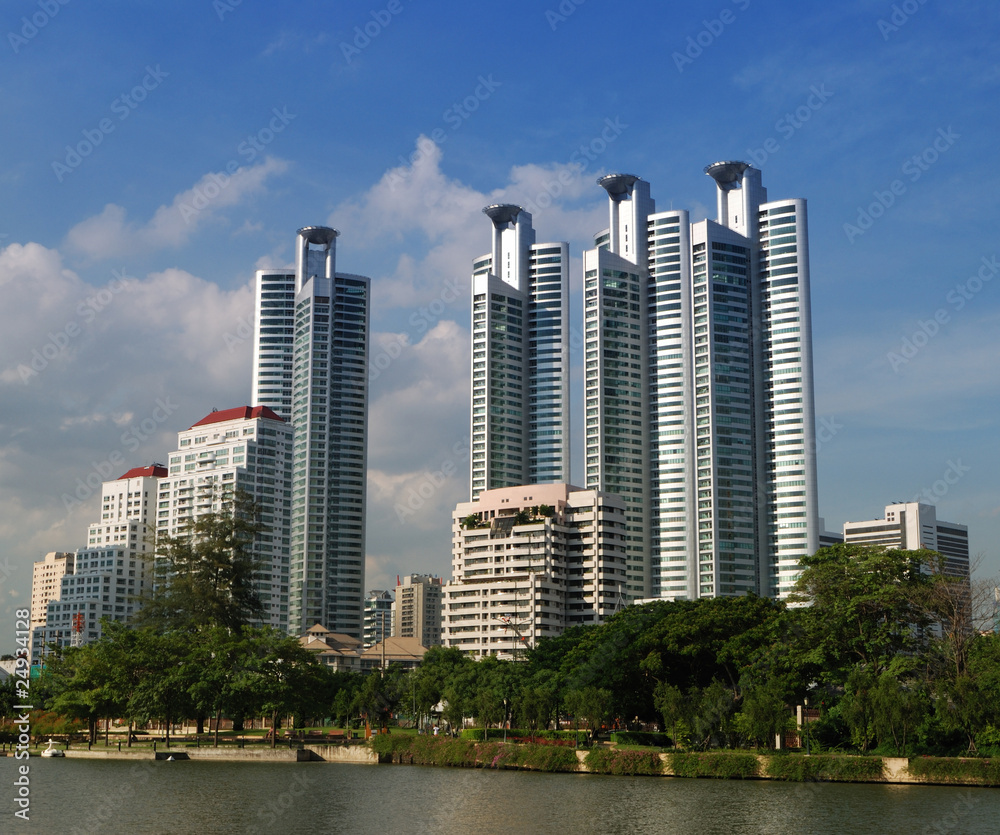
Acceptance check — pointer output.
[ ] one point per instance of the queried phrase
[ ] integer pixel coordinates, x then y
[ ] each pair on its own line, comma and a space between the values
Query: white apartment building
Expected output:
698, 387
530, 561
520, 357
378, 616
310, 361
115, 569
911, 526
417, 609
247, 449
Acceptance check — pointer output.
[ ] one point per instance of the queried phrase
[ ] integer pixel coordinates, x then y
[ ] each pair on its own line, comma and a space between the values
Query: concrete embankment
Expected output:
360, 754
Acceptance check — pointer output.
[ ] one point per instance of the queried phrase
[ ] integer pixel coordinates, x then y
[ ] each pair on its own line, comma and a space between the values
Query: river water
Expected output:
71, 796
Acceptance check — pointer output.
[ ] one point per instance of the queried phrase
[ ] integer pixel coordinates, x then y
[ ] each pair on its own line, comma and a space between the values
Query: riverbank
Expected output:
357, 754
842, 768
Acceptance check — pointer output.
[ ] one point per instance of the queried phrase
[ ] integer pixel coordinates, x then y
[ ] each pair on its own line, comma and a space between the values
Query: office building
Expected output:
520, 357
243, 449
417, 609
115, 569
528, 562
311, 367
912, 526
698, 387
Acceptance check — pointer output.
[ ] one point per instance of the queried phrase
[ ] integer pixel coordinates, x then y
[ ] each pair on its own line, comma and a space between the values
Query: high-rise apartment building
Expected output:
417, 609
112, 573
698, 387
311, 367
914, 525
243, 449
520, 357
378, 616
529, 562
46, 583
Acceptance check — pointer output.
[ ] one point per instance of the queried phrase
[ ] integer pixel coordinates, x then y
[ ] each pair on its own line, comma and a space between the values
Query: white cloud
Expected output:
440, 219
84, 371
110, 234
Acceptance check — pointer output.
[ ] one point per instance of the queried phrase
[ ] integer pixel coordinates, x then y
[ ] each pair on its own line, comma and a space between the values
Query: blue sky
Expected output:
154, 155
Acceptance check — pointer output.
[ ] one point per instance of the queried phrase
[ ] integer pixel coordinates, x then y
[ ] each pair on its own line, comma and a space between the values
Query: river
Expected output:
70, 796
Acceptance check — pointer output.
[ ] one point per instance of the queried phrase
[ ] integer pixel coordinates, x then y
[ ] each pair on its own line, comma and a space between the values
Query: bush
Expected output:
798, 768
610, 761
956, 770
424, 750
715, 764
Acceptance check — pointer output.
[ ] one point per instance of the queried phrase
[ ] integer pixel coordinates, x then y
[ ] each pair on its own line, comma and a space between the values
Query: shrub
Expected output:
797, 768
715, 764
610, 761
956, 770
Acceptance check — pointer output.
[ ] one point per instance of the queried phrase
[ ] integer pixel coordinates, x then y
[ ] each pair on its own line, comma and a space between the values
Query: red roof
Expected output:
154, 471
239, 413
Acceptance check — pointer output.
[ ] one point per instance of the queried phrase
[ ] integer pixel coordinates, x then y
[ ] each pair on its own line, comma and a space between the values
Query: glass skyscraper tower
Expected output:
520, 357
311, 367
699, 388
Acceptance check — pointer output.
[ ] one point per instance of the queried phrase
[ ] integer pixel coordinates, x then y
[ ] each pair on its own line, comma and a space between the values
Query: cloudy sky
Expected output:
154, 155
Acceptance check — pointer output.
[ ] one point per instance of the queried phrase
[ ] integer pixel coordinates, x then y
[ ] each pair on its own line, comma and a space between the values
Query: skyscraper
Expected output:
520, 357
698, 387
311, 367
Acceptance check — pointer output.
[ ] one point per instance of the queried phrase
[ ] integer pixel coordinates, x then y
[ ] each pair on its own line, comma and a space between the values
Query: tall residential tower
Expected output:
698, 387
311, 367
520, 357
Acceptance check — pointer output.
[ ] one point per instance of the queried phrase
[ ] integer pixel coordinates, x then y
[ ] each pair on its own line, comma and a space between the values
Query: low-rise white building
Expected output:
529, 562
114, 570
914, 525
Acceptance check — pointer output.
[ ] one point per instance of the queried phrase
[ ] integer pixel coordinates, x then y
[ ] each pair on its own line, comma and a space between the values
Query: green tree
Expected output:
672, 705
868, 606
205, 576
764, 714
592, 705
